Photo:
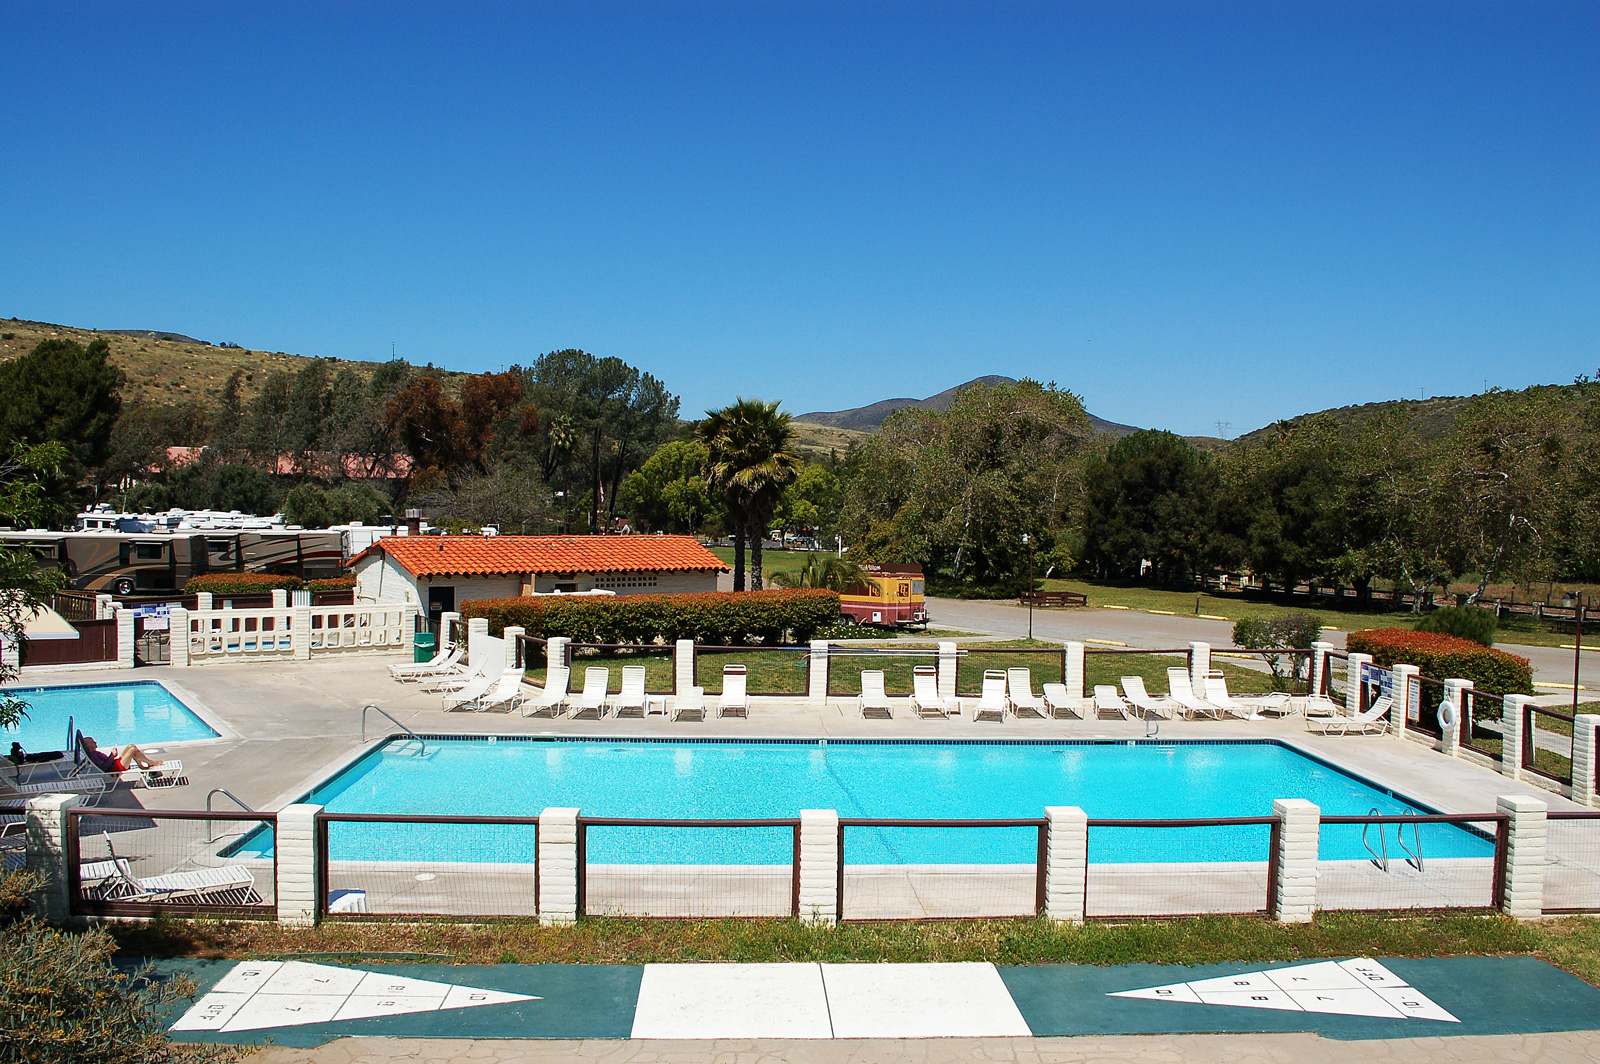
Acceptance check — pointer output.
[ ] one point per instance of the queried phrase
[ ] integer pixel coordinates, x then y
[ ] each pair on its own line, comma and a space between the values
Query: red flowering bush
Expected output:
1444, 657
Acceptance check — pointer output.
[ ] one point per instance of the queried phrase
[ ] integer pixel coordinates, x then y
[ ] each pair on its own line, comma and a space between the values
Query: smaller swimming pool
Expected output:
137, 711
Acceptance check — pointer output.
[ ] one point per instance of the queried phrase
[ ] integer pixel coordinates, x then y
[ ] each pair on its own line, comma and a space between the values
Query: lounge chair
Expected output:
1320, 705
1376, 718
219, 885
553, 696
925, 700
1217, 695
992, 702
1181, 691
1106, 700
506, 693
168, 773
735, 702
692, 701
1275, 702
90, 785
1019, 692
1059, 703
872, 701
467, 697
592, 699
1143, 701
446, 661
457, 680
632, 695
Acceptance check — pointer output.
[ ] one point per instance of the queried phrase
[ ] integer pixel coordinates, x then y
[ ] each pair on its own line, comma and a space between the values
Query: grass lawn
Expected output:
1571, 942
772, 561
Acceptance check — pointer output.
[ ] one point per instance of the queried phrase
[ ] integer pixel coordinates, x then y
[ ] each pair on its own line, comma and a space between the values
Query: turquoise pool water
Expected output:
931, 780
114, 714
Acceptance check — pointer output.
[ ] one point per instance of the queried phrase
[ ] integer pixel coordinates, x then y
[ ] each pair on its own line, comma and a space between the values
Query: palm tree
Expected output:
824, 571
748, 465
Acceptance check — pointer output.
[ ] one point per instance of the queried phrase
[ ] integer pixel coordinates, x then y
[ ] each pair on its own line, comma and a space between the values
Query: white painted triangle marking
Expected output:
261, 994
1357, 987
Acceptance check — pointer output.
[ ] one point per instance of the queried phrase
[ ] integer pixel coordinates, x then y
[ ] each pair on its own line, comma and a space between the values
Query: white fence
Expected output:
290, 632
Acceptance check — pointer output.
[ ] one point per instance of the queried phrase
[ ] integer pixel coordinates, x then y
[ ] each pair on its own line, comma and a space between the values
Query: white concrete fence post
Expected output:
204, 601
1074, 674
1067, 854
683, 665
513, 637
1199, 665
558, 867
949, 662
477, 632
178, 636
300, 632
408, 629
1294, 894
1455, 693
125, 630
1400, 717
105, 607
817, 673
46, 855
1319, 666
449, 622
1511, 739
819, 867
295, 842
555, 652
1584, 770
1353, 687
1523, 889
280, 598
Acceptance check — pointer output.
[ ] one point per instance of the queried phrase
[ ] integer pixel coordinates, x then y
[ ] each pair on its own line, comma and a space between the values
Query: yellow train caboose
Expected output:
892, 597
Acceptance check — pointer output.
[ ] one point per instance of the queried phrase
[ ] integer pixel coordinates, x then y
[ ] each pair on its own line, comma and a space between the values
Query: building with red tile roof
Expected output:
441, 572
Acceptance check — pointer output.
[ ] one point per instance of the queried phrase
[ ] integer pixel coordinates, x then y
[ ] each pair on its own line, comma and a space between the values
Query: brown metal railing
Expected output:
125, 890
620, 654
704, 888
758, 680
1469, 735
1227, 888
1496, 886
1572, 867
1430, 695
1040, 863
1531, 749
973, 662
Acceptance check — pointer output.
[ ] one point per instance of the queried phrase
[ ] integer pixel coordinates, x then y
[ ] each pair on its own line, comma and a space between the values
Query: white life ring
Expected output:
1447, 716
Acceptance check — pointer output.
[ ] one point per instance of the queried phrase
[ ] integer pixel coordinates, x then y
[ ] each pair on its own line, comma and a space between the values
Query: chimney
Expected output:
413, 522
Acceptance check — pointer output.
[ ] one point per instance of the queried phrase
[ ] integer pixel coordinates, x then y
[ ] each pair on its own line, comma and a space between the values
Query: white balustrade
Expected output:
295, 632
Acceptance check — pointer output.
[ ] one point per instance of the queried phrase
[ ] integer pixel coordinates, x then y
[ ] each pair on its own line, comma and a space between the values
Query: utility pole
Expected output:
1577, 649
1029, 595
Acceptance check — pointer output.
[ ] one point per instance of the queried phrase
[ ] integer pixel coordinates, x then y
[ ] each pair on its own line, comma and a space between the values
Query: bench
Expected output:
1053, 598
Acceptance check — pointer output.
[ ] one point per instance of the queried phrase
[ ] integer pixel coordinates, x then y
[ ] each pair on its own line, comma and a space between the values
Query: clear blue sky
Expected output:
1186, 212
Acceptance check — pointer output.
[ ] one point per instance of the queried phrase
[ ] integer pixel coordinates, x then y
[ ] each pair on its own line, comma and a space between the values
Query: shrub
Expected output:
707, 617
1464, 622
259, 583
1291, 631
331, 583
1443, 657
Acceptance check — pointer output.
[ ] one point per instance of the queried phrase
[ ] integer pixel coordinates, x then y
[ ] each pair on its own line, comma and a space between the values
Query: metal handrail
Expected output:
240, 802
1400, 837
397, 724
1379, 859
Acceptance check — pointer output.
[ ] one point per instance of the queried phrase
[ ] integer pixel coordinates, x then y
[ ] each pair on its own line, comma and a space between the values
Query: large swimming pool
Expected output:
113, 714
925, 780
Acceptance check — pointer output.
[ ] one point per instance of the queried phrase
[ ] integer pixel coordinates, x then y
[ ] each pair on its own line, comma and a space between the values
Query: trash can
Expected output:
426, 645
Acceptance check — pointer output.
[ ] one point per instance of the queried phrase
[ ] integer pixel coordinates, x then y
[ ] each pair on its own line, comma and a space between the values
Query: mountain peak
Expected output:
871, 417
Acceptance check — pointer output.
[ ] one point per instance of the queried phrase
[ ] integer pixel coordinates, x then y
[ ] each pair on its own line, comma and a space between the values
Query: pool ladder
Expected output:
234, 798
1380, 856
373, 707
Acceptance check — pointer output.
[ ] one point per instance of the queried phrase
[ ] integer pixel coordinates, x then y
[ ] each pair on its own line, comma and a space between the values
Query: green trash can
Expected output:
425, 647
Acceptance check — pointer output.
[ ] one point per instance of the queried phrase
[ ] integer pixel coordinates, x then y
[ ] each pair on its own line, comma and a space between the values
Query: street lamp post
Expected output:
1029, 596
1577, 649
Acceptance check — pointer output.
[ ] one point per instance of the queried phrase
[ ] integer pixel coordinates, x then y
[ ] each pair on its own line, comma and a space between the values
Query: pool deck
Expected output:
295, 723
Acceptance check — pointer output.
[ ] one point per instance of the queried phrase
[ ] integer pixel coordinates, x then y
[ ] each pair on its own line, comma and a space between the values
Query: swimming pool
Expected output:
711, 779
139, 711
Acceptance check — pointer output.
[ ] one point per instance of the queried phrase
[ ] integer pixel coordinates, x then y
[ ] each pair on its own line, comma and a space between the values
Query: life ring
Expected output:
1447, 716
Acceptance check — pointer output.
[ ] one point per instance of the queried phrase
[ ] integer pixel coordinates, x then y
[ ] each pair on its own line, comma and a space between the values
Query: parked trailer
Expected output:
892, 597
143, 563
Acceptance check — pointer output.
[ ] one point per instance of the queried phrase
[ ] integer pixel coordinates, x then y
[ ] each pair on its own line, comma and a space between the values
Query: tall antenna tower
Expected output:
1223, 427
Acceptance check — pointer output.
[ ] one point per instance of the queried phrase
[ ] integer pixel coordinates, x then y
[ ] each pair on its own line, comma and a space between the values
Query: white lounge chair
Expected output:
692, 701
1106, 700
1217, 694
91, 784
169, 773
735, 702
1320, 705
925, 700
1376, 718
443, 662
632, 695
218, 885
507, 692
1143, 701
592, 699
553, 696
461, 678
1181, 691
992, 702
872, 701
467, 697
1061, 704
1019, 692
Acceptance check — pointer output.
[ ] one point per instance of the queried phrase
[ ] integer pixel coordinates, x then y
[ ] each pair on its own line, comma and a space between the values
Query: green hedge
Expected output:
709, 617
259, 583
1446, 657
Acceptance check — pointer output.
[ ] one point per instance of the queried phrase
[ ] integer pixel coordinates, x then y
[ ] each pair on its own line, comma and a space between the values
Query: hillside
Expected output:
870, 418
1434, 417
165, 367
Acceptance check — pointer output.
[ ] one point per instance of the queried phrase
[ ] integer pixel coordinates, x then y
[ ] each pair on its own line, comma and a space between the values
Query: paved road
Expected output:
1140, 629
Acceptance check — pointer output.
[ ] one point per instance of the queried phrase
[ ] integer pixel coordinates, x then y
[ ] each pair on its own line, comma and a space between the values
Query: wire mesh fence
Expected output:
659, 675
940, 869
13, 837
898, 665
1547, 743
378, 865
1572, 862
1481, 722
1422, 707
1335, 677
688, 868
768, 670
141, 862
1044, 665
1178, 867
1411, 861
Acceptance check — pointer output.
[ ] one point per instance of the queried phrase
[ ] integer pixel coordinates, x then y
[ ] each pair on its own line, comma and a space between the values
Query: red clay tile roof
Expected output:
502, 555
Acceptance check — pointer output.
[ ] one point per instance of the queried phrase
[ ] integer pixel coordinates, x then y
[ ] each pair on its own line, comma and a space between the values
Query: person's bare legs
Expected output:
131, 755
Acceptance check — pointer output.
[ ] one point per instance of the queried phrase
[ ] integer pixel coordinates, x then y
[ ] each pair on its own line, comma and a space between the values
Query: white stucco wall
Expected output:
663, 584
381, 579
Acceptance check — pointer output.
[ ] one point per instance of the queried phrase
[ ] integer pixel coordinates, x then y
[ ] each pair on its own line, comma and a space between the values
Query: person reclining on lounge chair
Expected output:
117, 759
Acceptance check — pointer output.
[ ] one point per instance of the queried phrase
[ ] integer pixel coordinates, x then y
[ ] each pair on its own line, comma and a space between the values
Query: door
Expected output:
441, 600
